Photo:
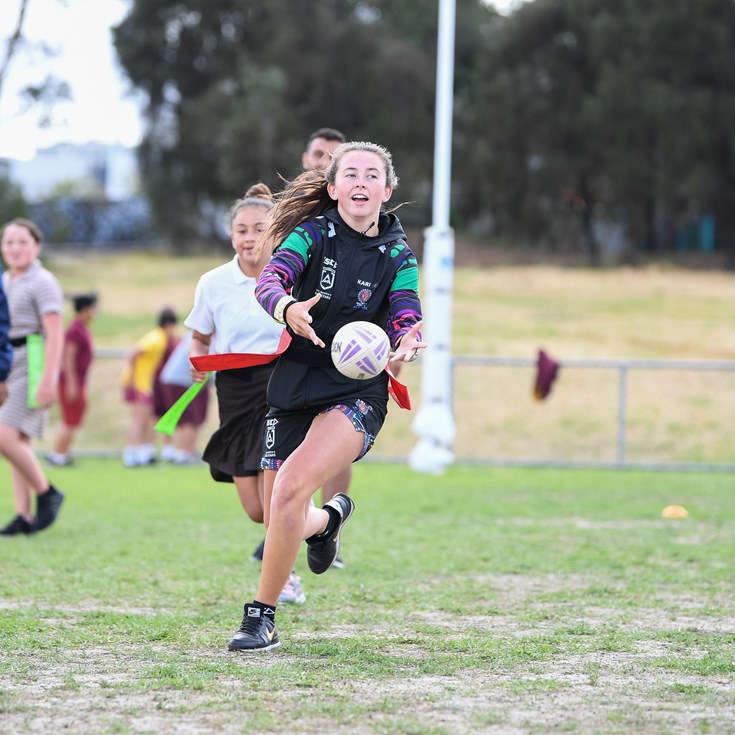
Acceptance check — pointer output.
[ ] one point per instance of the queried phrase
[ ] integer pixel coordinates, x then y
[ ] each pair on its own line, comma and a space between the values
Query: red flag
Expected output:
397, 391
232, 360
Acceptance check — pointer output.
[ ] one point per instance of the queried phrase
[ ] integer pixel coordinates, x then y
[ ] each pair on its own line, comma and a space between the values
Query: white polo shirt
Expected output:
225, 307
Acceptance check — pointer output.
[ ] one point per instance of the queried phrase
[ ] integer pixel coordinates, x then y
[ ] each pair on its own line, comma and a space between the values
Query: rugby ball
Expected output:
360, 350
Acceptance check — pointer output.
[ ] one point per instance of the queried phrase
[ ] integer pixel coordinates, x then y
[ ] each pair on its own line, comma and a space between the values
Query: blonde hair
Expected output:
258, 195
307, 196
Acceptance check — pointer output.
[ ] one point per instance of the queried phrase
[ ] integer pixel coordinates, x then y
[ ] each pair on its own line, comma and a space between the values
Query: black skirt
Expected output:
236, 448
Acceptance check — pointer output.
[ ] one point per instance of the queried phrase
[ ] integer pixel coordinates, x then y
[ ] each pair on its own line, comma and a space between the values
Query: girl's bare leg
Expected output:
250, 495
330, 445
16, 447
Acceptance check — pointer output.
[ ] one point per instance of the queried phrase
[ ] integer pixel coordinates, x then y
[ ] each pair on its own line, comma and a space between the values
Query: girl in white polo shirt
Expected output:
227, 318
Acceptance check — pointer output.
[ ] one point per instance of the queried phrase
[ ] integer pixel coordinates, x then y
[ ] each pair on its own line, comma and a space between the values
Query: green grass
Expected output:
505, 600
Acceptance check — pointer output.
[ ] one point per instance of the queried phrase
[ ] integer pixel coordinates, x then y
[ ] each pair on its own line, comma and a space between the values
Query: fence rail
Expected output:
609, 413
624, 369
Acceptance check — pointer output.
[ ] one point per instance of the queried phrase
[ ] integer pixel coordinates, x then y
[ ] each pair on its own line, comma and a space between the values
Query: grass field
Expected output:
501, 601
657, 311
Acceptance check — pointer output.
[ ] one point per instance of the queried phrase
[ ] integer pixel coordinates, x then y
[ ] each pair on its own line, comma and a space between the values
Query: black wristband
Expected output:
286, 308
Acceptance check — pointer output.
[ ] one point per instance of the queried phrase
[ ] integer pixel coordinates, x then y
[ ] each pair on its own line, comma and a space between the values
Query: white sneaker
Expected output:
130, 457
187, 458
293, 592
58, 460
169, 453
145, 454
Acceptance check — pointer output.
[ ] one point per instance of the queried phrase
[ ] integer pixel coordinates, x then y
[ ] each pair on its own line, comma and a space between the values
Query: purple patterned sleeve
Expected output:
283, 270
404, 302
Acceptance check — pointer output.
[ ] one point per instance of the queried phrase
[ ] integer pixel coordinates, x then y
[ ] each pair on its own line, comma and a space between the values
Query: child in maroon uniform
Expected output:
75, 362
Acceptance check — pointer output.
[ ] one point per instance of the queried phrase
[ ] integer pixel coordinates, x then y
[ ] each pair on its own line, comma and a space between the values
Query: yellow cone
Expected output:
675, 512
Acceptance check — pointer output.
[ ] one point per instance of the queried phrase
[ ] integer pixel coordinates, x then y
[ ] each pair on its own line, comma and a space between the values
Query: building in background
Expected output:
84, 194
93, 170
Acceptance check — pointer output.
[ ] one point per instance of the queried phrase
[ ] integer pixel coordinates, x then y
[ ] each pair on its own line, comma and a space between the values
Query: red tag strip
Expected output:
232, 360
397, 391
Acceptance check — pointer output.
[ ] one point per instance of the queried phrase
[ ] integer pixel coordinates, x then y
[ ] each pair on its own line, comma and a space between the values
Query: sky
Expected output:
103, 108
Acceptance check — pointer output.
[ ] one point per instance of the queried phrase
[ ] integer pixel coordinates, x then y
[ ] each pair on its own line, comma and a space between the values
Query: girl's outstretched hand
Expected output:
197, 375
408, 349
299, 319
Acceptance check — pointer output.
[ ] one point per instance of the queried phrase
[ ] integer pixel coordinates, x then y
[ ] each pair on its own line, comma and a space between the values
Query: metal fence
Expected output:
619, 413
614, 413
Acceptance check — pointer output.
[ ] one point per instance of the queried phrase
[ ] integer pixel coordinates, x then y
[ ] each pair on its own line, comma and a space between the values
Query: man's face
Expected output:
318, 154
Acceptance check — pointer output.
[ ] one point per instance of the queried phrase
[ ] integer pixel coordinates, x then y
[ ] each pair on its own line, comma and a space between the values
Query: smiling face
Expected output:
19, 248
360, 189
247, 226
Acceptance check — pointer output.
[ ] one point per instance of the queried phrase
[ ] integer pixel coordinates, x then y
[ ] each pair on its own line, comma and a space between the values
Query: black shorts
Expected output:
283, 431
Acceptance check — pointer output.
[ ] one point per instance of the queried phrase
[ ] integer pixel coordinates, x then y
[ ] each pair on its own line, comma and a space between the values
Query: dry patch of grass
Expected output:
620, 687
505, 310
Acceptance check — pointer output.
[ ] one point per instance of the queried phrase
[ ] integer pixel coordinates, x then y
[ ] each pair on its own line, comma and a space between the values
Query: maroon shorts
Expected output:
195, 413
131, 395
72, 412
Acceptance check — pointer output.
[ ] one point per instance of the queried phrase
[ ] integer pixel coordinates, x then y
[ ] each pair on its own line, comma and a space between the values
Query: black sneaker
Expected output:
322, 550
257, 555
257, 632
16, 526
47, 508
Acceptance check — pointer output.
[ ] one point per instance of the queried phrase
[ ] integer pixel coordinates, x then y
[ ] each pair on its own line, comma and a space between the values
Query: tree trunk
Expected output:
586, 212
13, 43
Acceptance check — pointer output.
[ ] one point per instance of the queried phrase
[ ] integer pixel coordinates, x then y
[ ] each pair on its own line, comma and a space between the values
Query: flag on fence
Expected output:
547, 370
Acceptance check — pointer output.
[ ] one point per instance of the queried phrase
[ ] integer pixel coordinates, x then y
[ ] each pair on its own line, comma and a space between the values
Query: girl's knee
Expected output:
255, 515
286, 492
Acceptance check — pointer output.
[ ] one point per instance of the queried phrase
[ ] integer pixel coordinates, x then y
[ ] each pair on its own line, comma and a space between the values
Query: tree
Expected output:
568, 113
611, 110
235, 87
11, 45
12, 203
47, 92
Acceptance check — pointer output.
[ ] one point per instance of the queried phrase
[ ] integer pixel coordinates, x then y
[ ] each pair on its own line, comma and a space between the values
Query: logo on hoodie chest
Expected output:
364, 293
326, 280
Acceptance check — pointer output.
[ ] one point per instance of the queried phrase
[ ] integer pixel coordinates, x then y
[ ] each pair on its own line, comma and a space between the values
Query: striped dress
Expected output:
31, 296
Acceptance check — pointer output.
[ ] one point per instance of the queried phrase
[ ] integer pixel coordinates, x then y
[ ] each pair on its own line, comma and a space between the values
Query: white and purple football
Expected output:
360, 350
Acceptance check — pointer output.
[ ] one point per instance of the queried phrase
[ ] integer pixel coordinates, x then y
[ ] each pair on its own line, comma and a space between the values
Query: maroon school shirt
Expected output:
79, 335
